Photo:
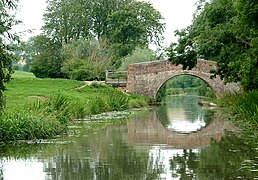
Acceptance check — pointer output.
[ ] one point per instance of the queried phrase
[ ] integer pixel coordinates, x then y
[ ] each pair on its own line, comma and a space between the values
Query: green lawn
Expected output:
24, 88
22, 74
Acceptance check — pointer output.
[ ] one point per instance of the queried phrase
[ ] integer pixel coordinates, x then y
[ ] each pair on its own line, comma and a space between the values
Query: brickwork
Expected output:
146, 78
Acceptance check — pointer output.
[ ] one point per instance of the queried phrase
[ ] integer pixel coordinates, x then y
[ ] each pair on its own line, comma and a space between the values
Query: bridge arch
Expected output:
205, 80
146, 78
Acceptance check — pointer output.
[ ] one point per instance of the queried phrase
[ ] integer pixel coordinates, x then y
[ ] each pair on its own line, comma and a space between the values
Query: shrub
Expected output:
86, 59
99, 105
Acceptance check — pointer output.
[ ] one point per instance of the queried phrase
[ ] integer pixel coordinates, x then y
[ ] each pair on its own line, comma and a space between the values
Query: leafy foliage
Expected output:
66, 20
47, 59
134, 24
224, 31
86, 59
124, 23
138, 55
6, 22
243, 110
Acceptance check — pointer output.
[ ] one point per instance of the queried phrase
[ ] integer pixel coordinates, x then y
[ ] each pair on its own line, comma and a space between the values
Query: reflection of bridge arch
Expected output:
146, 78
148, 130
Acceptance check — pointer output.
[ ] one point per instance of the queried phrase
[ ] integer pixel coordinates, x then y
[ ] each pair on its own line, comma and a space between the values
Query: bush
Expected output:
48, 65
86, 59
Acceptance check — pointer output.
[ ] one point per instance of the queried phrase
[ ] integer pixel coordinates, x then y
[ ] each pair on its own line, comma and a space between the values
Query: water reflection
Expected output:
142, 148
182, 114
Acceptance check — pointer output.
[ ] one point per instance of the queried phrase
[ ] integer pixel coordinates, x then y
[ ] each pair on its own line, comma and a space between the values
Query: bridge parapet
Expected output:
165, 65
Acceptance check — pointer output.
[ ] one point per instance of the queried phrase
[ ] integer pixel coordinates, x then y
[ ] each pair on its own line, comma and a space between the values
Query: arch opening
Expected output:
184, 84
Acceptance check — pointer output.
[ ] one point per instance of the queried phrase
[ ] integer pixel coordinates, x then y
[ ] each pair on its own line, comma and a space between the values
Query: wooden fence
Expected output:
116, 78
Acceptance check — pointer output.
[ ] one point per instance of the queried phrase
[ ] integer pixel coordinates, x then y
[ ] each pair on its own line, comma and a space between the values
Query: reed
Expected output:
243, 110
24, 125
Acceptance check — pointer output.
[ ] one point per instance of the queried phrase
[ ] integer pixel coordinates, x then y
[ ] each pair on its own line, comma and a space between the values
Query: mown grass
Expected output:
243, 110
23, 74
42, 108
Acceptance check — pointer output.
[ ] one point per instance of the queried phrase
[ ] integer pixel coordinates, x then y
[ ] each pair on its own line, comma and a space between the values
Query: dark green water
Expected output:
176, 141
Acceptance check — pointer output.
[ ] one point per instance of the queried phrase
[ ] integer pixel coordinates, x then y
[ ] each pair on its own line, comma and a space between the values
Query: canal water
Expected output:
179, 140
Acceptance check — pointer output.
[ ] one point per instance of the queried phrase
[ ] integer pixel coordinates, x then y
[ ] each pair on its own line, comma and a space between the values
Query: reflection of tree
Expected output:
184, 166
229, 159
190, 106
105, 155
224, 160
162, 115
25, 150
188, 103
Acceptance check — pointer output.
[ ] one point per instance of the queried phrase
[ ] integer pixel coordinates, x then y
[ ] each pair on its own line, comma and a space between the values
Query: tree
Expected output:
125, 23
67, 20
224, 31
101, 10
47, 59
6, 22
134, 25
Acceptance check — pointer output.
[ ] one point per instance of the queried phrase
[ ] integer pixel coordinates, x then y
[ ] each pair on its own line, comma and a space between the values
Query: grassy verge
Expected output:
42, 108
243, 110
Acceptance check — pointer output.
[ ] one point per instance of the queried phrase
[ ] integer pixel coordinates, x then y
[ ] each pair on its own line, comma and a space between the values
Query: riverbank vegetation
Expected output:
243, 110
42, 108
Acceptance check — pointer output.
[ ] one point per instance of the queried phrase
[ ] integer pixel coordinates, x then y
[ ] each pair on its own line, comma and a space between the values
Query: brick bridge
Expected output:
146, 78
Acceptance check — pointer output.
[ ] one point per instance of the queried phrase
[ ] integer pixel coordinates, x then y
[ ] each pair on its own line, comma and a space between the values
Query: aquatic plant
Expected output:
118, 101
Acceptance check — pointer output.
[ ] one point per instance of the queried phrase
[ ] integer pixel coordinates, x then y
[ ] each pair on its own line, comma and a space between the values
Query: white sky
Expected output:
177, 14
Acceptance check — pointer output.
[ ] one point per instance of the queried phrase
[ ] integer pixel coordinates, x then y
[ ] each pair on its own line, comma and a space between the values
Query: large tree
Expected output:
119, 21
6, 22
224, 31
67, 20
134, 24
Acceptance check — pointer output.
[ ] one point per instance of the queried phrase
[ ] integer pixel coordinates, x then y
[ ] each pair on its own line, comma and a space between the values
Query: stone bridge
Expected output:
146, 78
147, 129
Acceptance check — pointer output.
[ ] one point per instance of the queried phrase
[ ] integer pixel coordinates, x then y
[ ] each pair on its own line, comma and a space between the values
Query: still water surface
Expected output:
179, 140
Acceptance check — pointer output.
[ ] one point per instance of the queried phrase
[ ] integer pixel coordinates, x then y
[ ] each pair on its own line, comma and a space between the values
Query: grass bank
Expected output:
42, 108
243, 110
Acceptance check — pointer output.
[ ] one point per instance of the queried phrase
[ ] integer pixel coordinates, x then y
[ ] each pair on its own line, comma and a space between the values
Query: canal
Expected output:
178, 140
